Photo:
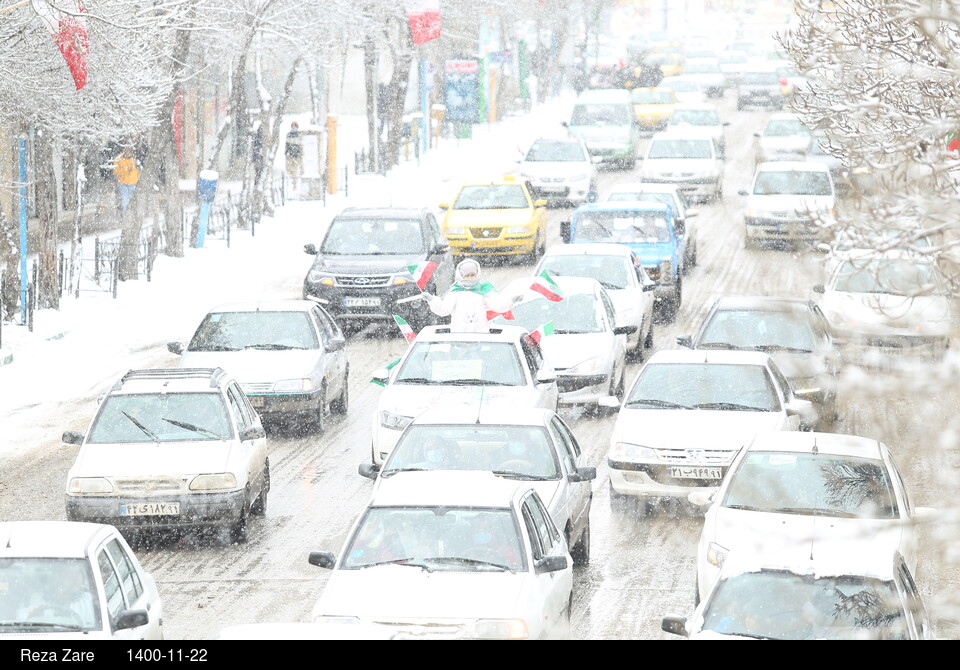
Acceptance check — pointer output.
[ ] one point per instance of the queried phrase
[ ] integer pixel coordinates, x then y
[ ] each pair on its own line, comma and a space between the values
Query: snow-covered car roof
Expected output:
792, 166
48, 539
484, 414
824, 443
266, 306
448, 488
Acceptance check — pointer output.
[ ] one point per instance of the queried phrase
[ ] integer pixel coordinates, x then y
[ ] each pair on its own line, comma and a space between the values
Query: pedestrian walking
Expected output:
126, 170
293, 152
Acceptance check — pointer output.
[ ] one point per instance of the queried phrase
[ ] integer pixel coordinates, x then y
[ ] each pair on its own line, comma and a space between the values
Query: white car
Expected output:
451, 555
687, 89
523, 444
700, 115
686, 416
785, 202
61, 580
620, 272
560, 169
667, 194
171, 449
842, 592
888, 303
707, 73
586, 347
442, 367
691, 160
786, 489
289, 356
783, 138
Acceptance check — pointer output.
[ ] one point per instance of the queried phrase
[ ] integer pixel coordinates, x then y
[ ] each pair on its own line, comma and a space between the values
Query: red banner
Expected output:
424, 18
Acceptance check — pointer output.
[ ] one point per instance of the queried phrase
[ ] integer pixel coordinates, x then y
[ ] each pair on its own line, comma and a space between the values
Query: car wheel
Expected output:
342, 404
259, 506
580, 552
693, 256
320, 415
635, 353
238, 529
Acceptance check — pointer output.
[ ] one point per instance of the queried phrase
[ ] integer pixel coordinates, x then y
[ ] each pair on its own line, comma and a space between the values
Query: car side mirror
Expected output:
550, 564
609, 401
322, 559
726, 123
652, 286
701, 499
380, 376
677, 625
546, 377
756, 134
310, 249
175, 347
680, 226
369, 470
624, 330
444, 205
565, 231
596, 160
593, 196
584, 474
252, 433
72, 437
819, 288
132, 619
539, 203
685, 341
564, 124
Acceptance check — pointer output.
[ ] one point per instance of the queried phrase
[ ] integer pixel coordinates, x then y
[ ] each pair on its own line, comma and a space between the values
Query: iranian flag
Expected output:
541, 332
953, 142
422, 272
544, 285
389, 366
424, 18
69, 31
405, 328
508, 315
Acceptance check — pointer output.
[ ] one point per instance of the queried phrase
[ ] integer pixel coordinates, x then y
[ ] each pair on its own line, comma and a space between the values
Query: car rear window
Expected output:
622, 227
462, 364
375, 237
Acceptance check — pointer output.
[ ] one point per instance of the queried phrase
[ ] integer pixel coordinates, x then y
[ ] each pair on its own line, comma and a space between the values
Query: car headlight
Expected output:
666, 272
293, 385
455, 231
394, 421
518, 230
589, 366
625, 451
716, 554
89, 485
317, 277
217, 482
400, 281
578, 177
501, 629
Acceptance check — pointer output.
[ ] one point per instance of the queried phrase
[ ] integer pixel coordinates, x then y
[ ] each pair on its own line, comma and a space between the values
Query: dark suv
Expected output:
361, 268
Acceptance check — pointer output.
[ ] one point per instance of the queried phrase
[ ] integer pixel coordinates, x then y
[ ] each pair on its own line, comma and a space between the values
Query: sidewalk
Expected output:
75, 351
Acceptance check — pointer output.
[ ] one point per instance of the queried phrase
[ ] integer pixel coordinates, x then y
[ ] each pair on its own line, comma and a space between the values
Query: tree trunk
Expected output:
398, 90
272, 141
370, 84
46, 188
10, 239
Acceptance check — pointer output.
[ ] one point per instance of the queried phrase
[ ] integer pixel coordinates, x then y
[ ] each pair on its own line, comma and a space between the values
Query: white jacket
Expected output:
467, 308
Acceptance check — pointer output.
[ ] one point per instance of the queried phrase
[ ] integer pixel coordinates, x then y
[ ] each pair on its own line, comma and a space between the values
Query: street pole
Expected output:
425, 108
22, 151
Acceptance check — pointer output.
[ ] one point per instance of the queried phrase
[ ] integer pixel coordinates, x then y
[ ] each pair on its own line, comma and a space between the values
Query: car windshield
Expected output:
610, 271
161, 417
462, 364
625, 227
812, 484
782, 605
375, 237
267, 331
449, 539
556, 152
518, 450
784, 127
680, 149
896, 276
792, 182
695, 117
642, 97
48, 595
713, 386
759, 79
578, 313
601, 114
757, 329
492, 196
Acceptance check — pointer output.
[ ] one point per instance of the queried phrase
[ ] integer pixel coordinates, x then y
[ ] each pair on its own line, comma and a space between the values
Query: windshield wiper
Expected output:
271, 347
414, 380
780, 347
191, 427
393, 471
608, 285
730, 406
397, 561
214, 347
718, 345
510, 474
814, 511
40, 624
469, 561
746, 508
141, 427
657, 403
474, 382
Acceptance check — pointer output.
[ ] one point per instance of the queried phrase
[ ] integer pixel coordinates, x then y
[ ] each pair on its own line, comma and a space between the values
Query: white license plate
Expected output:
361, 302
696, 473
150, 509
551, 189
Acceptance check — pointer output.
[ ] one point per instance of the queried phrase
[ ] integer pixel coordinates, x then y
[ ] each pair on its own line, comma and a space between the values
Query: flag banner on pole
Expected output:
540, 333
953, 142
545, 286
424, 18
422, 272
405, 328
508, 315
389, 366
70, 34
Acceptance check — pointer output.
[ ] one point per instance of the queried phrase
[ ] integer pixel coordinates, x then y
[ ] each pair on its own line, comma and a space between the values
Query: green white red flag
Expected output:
389, 366
405, 328
508, 315
69, 31
953, 142
544, 285
422, 272
541, 332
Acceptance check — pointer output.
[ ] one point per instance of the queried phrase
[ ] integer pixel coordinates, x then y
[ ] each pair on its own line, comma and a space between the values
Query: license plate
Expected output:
150, 509
547, 188
361, 302
696, 473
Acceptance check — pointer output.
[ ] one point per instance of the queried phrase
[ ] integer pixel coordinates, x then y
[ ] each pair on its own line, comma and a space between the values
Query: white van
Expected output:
604, 120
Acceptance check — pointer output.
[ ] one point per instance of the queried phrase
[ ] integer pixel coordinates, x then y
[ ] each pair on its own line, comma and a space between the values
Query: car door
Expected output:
333, 361
577, 496
551, 591
619, 341
785, 391
119, 568
646, 299
252, 455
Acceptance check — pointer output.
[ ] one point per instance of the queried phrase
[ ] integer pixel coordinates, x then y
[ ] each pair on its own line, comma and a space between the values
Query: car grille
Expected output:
262, 387
363, 280
486, 233
147, 485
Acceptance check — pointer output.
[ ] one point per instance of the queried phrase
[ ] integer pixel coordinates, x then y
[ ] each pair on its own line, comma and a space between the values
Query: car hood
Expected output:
654, 166
785, 143
414, 593
878, 312
693, 429
411, 399
365, 264
568, 349
148, 459
488, 217
252, 366
540, 169
800, 204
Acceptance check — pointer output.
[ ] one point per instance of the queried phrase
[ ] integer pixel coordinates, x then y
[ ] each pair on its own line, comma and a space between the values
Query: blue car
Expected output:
648, 229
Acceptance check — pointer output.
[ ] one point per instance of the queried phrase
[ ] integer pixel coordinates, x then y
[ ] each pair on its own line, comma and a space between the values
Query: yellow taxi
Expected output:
653, 106
498, 218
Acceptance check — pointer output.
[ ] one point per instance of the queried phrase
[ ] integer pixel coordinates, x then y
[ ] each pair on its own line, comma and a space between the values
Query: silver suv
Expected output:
171, 448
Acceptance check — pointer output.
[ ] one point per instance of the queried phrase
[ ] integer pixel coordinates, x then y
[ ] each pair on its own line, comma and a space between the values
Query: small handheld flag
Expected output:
508, 315
544, 285
540, 333
422, 272
405, 328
